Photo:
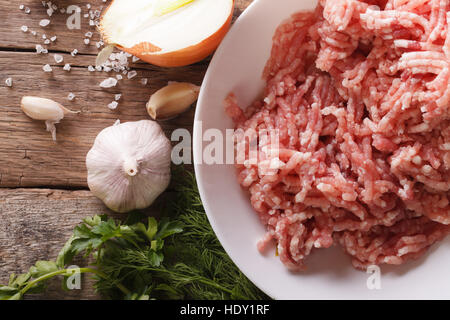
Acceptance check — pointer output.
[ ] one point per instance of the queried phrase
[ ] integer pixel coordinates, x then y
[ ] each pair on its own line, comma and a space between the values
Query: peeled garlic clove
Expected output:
173, 99
46, 110
129, 165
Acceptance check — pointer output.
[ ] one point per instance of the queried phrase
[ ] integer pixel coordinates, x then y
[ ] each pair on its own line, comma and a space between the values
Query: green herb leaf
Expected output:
66, 254
43, 268
168, 228
7, 292
17, 296
20, 280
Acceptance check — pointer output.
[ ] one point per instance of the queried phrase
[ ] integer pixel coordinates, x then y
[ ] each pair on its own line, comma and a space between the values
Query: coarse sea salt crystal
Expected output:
91, 68
144, 81
108, 83
131, 74
119, 77
70, 96
47, 68
74, 52
58, 58
86, 41
9, 82
117, 96
44, 22
47, 41
24, 28
27, 10
66, 67
21, 7
53, 38
113, 105
88, 34
39, 48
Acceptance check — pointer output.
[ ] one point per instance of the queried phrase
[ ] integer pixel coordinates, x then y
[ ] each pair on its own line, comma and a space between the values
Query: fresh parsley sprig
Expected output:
178, 257
96, 236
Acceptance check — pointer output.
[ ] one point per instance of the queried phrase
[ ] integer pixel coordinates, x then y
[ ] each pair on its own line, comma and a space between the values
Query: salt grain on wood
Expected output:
113, 105
131, 74
47, 68
44, 22
58, 58
108, 83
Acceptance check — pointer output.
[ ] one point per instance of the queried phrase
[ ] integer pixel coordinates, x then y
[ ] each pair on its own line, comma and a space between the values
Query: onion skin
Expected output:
149, 53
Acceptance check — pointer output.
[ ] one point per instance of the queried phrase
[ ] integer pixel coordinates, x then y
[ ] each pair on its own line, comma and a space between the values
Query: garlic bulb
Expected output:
129, 165
46, 110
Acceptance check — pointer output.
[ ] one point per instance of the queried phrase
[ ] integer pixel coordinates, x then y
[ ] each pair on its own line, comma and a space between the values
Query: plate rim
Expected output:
195, 148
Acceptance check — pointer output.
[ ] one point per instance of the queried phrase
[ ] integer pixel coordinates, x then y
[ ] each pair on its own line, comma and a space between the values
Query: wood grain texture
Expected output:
35, 222
28, 156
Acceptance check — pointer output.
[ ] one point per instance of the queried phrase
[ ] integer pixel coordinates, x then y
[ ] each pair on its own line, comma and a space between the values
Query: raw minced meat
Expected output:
359, 94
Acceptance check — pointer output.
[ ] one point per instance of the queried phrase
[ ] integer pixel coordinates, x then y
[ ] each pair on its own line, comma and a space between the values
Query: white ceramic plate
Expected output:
237, 66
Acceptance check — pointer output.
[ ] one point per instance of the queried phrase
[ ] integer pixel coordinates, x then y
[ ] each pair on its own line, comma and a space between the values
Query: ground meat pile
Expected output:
359, 94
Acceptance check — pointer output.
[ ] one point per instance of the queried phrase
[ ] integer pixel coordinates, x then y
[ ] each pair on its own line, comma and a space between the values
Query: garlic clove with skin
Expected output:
172, 100
46, 110
129, 165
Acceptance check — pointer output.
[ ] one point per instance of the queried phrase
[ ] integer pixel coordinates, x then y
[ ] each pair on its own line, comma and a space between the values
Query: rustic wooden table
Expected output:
43, 189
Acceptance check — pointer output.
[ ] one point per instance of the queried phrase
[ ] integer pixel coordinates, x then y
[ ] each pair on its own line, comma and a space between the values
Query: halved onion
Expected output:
167, 33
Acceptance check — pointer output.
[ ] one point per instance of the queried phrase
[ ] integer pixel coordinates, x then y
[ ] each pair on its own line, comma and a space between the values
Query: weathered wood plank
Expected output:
28, 156
11, 36
35, 223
